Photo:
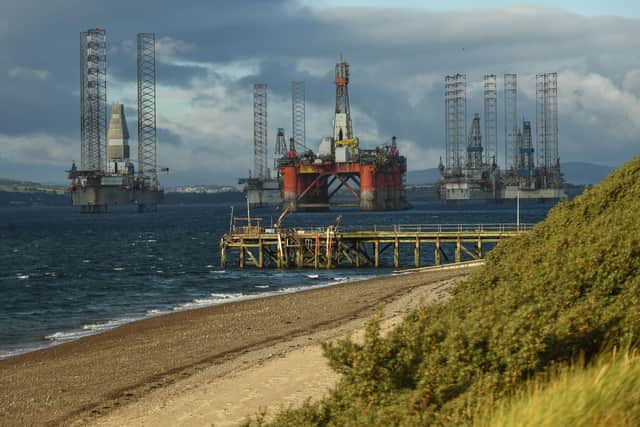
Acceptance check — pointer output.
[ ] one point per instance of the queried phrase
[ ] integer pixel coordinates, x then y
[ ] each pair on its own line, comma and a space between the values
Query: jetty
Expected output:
334, 246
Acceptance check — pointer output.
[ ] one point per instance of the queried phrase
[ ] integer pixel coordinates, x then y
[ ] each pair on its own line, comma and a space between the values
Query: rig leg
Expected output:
437, 251
458, 250
416, 252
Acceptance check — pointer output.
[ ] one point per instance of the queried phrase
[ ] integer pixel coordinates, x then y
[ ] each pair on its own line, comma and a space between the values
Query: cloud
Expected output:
28, 73
38, 149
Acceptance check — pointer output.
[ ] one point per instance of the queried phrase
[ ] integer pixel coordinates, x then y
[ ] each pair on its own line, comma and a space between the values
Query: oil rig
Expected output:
107, 174
309, 181
471, 171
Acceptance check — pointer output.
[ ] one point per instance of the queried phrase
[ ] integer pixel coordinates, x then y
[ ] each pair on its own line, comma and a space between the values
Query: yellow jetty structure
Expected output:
356, 246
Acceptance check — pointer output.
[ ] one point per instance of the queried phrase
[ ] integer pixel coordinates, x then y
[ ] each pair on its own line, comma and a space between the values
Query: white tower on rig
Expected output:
118, 142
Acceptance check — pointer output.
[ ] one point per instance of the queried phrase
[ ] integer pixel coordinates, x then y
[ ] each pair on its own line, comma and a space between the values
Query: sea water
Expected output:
64, 275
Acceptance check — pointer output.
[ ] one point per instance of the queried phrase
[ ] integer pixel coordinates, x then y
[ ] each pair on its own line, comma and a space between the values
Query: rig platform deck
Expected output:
332, 247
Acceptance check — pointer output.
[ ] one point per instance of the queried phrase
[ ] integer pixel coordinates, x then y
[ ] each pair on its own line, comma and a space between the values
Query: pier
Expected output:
356, 246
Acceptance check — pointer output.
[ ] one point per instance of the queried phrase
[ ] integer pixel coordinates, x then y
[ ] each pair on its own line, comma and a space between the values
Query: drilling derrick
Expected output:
260, 165
510, 119
281, 148
474, 149
93, 99
525, 162
342, 120
147, 161
490, 120
298, 120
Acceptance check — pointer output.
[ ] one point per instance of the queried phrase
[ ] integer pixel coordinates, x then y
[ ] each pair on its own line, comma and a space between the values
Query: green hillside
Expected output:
569, 288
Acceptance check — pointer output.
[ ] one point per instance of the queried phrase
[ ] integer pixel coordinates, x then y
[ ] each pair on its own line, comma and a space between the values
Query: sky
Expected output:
209, 53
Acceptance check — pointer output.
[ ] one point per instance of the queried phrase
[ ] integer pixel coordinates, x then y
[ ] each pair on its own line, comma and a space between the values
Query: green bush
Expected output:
569, 287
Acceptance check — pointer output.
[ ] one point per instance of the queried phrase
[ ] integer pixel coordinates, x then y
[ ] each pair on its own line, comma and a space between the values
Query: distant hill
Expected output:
583, 173
425, 176
579, 173
16, 186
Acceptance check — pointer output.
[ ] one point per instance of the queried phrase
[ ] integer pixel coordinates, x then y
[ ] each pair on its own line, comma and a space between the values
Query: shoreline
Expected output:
91, 376
97, 327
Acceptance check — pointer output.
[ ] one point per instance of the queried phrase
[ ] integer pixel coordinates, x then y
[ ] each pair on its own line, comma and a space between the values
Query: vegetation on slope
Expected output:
567, 289
605, 394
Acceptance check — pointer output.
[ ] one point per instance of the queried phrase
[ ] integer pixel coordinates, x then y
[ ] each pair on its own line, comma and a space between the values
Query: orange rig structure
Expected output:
373, 176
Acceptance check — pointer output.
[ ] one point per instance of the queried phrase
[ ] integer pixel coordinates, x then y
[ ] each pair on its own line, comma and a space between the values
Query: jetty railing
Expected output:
361, 246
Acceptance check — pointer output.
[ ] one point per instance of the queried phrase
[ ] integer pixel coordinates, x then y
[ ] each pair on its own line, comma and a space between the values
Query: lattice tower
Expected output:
490, 120
147, 154
93, 99
298, 120
547, 120
455, 119
260, 165
510, 119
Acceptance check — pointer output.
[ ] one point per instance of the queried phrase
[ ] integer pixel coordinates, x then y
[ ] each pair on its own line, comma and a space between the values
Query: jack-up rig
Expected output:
107, 174
471, 169
308, 180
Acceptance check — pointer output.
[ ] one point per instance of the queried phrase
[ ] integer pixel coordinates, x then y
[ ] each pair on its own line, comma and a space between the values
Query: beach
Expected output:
214, 365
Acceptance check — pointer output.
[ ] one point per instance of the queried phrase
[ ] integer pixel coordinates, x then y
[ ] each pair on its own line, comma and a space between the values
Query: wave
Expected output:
215, 299
87, 329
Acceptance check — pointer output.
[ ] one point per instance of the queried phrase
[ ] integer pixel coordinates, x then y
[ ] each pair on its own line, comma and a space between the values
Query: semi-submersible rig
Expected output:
308, 180
107, 174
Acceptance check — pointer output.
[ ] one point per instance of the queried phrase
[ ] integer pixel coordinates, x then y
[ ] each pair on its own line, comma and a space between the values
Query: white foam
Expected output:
22, 276
66, 336
86, 330
99, 326
216, 298
312, 276
118, 268
262, 286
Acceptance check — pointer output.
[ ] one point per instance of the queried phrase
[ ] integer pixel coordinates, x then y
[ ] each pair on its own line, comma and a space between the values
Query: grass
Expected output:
604, 394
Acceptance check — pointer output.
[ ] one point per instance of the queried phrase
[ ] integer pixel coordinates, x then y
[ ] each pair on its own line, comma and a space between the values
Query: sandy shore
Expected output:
211, 365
